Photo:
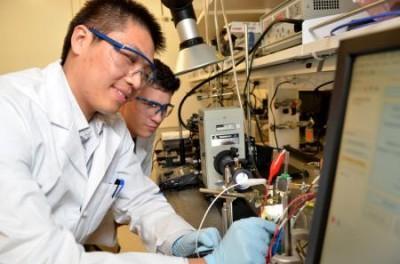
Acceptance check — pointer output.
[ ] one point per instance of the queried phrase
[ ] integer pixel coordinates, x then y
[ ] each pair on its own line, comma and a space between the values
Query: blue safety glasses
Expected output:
122, 47
153, 108
129, 60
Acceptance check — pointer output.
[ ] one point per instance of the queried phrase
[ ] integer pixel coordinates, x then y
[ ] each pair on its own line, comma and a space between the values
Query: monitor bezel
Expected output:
348, 50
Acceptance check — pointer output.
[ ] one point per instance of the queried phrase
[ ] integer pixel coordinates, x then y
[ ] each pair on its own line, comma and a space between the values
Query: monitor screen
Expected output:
358, 219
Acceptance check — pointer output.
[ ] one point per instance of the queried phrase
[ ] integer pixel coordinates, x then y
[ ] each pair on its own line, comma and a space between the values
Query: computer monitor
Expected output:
357, 214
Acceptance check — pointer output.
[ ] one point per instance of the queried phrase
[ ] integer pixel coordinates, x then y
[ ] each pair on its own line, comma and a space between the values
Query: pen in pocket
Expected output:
119, 185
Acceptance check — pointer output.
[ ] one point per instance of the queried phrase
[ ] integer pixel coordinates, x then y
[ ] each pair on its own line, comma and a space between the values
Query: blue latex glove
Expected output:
185, 246
246, 242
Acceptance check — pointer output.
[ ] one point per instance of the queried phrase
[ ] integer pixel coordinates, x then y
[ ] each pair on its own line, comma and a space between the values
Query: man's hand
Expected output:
185, 246
245, 242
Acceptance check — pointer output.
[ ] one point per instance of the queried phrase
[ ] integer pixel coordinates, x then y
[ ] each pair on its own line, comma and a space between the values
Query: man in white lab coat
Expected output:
66, 158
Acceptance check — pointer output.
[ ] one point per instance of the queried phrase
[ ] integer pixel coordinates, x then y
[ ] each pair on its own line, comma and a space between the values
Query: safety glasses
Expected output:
128, 59
153, 108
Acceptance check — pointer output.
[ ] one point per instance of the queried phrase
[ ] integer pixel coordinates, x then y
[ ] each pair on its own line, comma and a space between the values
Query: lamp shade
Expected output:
196, 57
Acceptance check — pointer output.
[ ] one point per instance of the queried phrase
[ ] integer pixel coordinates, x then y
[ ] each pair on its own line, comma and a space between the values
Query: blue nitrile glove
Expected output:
185, 246
246, 242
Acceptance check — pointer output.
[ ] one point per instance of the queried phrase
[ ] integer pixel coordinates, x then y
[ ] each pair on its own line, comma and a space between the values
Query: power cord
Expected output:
316, 89
208, 210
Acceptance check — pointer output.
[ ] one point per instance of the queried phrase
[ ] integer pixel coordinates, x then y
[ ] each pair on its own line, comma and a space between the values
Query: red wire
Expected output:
306, 197
276, 166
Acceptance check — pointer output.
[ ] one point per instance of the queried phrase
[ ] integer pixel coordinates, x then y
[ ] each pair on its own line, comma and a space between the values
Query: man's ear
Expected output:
80, 39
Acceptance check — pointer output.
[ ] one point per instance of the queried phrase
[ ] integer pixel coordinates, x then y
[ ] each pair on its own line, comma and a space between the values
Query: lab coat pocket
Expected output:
100, 204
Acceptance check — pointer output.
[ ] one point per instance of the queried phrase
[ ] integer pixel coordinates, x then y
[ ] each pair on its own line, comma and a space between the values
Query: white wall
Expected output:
31, 32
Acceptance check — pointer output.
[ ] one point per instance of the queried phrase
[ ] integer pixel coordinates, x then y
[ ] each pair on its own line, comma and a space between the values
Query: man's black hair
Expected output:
112, 15
164, 78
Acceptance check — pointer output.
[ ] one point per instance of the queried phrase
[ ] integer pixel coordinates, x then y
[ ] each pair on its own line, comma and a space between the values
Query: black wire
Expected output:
255, 97
316, 89
272, 112
255, 101
255, 84
192, 91
252, 50
257, 44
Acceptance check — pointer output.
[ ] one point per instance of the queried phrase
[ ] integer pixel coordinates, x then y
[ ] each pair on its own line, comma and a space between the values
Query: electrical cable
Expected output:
253, 49
296, 22
208, 210
257, 120
276, 244
296, 216
255, 85
256, 99
193, 90
316, 89
299, 201
235, 78
314, 182
292, 203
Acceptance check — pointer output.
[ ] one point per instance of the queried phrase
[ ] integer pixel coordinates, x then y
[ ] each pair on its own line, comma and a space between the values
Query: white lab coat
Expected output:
49, 205
144, 153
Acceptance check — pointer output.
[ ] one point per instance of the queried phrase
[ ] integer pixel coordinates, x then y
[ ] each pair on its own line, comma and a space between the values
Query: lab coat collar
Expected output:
56, 95
63, 109
78, 116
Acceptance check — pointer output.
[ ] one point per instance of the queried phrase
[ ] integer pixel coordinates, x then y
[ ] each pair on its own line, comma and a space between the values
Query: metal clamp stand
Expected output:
227, 214
227, 208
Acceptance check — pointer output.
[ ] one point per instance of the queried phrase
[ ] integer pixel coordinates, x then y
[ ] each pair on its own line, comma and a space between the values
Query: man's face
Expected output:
102, 84
139, 120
